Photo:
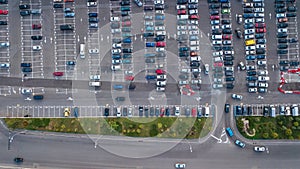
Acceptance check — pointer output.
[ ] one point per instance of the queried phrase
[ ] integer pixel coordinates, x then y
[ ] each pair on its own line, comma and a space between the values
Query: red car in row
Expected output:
181, 12
214, 17
195, 17
36, 26
3, 12
160, 44
260, 30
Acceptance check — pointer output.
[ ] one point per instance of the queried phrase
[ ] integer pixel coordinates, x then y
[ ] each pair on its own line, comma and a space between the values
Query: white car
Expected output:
263, 85
260, 46
114, 18
226, 26
116, 61
116, 51
217, 86
226, 42
215, 27
119, 112
181, 33
160, 49
250, 47
161, 83
149, 23
259, 10
195, 48
280, 15
259, 149
196, 58
282, 30
159, 28
217, 42
160, 89
259, 20
229, 52
193, 11
177, 111
250, 67
249, 37
263, 78
249, 21
194, 32
252, 90
117, 45
181, 27
159, 11
93, 51
250, 52
94, 77
159, 2
193, 27
220, 53
262, 72
196, 81
36, 47
236, 96
26, 90
115, 67
193, 22
116, 31
261, 62
181, 7
161, 77
89, 4
249, 31
4, 65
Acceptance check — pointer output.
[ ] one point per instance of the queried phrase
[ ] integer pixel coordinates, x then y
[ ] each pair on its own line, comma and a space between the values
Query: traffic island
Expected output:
166, 127
280, 127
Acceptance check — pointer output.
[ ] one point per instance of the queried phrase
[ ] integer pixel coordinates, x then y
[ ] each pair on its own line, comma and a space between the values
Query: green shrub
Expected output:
288, 132
274, 135
296, 124
265, 135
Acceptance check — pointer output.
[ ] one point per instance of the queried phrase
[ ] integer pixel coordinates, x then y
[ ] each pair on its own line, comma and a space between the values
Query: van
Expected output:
183, 17
295, 110
82, 51
38, 97
206, 111
96, 84
216, 37
250, 42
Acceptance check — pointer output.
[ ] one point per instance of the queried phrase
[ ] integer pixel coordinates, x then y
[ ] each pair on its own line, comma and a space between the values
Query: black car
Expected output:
124, 13
167, 111
3, 22
192, 6
159, 38
148, 8
225, 22
37, 37
94, 20
238, 33
282, 51
261, 41
227, 31
146, 111
248, 10
214, 12
228, 73
291, 15
228, 63
294, 63
225, 5
251, 73
182, 1
282, 40
195, 64
18, 160
227, 108
125, 3
120, 99
293, 40
131, 86
106, 112
217, 48
279, 5
291, 9
282, 25
283, 62
282, 46
228, 58
159, 7
24, 6
260, 51
141, 110
229, 79
66, 27
229, 85
259, 36
227, 48
214, 6
26, 69
58, 6
3, 1
282, 35
217, 32
25, 13
280, 10
25, 64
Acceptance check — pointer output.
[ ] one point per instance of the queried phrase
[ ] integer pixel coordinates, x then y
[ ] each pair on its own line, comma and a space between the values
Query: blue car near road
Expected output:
151, 77
250, 57
150, 44
229, 131
239, 143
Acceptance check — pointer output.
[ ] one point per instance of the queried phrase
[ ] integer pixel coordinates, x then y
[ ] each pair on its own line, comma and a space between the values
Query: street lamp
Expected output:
96, 142
190, 146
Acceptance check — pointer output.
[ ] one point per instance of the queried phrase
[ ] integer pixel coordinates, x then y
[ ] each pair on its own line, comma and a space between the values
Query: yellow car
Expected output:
67, 112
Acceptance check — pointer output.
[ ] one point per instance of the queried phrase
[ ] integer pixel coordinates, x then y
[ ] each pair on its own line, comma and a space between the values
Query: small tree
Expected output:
274, 135
288, 132
296, 124
265, 135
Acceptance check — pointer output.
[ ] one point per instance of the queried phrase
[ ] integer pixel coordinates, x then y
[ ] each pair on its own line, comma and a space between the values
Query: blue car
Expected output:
229, 131
250, 57
251, 78
151, 77
150, 44
260, 56
76, 111
159, 17
116, 57
248, 15
249, 26
118, 86
127, 40
239, 143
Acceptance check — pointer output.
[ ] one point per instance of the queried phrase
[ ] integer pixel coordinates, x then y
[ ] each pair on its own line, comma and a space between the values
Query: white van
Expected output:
182, 16
82, 51
216, 37
295, 110
206, 111
192, 43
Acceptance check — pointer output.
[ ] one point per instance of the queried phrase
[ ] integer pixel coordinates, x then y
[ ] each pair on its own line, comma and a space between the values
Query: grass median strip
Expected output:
280, 127
167, 127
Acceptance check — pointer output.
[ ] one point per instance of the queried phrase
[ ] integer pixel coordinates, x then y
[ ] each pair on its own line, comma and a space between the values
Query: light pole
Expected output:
96, 142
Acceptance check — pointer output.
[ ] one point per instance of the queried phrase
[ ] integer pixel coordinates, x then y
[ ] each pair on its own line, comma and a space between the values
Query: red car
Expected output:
194, 112
181, 12
160, 71
193, 53
127, 23
69, 0
218, 64
194, 17
162, 112
3, 12
58, 73
261, 30
129, 78
283, 20
227, 37
36, 26
260, 25
214, 17
160, 44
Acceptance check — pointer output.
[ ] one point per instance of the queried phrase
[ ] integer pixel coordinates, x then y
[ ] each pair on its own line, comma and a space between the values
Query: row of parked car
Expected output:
221, 37
188, 38
255, 46
3, 17
267, 110
286, 18
155, 35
